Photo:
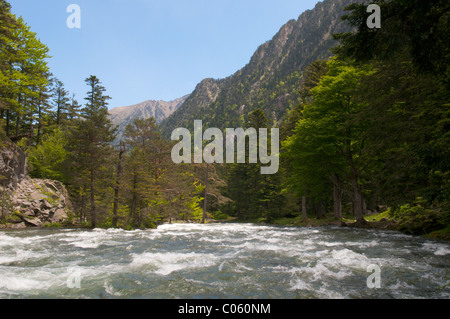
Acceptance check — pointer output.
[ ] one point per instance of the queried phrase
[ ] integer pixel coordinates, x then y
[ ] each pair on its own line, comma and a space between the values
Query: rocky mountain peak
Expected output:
272, 78
160, 110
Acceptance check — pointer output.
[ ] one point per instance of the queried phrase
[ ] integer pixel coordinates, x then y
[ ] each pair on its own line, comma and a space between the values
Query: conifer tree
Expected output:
255, 195
61, 102
24, 74
90, 145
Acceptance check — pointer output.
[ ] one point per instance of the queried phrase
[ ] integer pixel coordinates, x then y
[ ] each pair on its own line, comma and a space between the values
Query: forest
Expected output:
369, 135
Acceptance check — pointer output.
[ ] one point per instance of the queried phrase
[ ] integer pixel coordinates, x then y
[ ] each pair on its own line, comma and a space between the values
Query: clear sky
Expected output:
153, 49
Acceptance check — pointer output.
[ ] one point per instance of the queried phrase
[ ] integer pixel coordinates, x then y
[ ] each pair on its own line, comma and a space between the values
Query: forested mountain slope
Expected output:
271, 80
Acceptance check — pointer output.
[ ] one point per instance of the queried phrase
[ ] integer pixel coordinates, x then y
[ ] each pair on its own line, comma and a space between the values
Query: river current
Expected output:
243, 261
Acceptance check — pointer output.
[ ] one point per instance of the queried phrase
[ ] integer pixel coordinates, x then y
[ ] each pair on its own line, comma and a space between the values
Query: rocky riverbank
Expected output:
37, 203
26, 202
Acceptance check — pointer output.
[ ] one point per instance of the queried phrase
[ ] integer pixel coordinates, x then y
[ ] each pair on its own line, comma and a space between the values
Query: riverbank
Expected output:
377, 221
34, 203
380, 221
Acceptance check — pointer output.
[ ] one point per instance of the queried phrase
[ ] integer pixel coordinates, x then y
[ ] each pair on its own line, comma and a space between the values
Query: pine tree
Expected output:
255, 195
73, 109
47, 158
8, 54
408, 108
90, 146
24, 74
60, 102
44, 113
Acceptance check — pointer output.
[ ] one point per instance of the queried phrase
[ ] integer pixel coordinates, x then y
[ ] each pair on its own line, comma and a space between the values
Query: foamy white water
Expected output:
220, 261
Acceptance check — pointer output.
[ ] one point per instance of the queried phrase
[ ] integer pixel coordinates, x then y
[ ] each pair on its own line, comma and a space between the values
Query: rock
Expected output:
37, 196
45, 205
14, 220
33, 222
33, 201
37, 212
21, 225
25, 204
39, 202
59, 216
29, 213
13, 164
46, 213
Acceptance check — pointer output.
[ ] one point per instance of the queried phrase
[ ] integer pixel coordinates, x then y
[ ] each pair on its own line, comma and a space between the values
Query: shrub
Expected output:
218, 215
419, 220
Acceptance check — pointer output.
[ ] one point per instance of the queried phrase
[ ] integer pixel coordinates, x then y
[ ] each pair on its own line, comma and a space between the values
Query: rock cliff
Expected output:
13, 164
26, 202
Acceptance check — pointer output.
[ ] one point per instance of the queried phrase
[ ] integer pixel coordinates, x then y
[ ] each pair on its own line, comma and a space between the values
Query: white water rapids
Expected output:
221, 261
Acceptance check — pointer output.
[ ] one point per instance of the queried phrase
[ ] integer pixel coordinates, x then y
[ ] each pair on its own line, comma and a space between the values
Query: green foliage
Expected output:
440, 234
89, 146
218, 215
53, 225
376, 123
416, 219
46, 159
369, 127
16, 217
420, 27
194, 211
271, 81
61, 102
24, 73
254, 194
327, 142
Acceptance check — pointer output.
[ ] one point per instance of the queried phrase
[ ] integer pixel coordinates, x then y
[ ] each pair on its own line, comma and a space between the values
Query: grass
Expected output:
440, 234
50, 195
381, 220
378, 217
53, 225
378, 221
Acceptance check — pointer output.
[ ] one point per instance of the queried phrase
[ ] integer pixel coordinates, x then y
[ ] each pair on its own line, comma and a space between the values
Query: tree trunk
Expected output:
117, 188
39, 127
82, 206
29, 139
304, 212
171, 209
58, 110
320, 209
357, 199
133, 200
18, 125
337, 198
8, 119
93, 208
206, 194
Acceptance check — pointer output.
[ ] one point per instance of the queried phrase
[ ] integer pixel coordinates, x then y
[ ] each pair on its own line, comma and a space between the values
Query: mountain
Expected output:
272, 78
160, 110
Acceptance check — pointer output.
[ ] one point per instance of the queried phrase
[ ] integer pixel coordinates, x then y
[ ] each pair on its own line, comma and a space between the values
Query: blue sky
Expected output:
153, 49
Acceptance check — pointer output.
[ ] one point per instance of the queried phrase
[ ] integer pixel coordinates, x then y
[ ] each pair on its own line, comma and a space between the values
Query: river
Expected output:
222, 261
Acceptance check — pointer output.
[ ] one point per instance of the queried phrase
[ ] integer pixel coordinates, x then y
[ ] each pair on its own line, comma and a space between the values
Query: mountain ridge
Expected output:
159, 109
272, 78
